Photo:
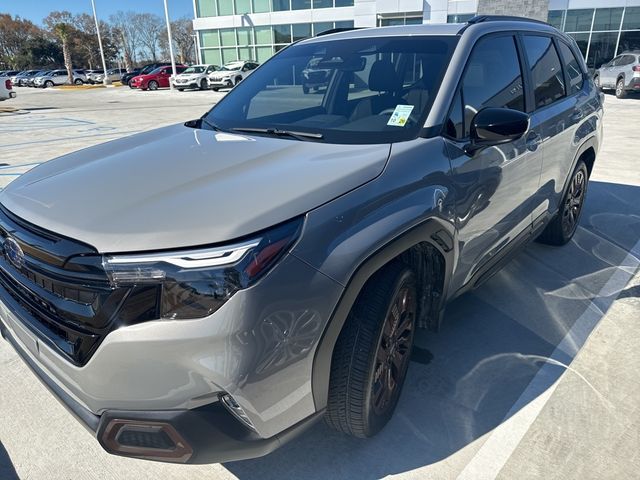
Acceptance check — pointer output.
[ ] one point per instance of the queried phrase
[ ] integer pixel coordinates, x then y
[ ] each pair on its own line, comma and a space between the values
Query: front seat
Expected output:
383, 79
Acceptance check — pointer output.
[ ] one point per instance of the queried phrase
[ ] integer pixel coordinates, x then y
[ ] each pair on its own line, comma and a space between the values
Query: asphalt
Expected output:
534, 375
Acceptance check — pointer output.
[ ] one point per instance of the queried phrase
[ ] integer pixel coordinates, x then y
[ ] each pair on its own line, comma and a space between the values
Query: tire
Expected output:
130, 83
238, 80
204, 85
77, 81
563, 226
620, 91
596, 80
153, 85
48, 84
215, 89
359, 404
305, 89
181, 89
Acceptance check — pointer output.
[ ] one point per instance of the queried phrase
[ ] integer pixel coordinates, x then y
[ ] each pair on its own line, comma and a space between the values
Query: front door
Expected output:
495, 187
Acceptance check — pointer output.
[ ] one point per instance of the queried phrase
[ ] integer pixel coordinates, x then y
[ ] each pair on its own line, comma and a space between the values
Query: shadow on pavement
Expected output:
7, 472
538, 311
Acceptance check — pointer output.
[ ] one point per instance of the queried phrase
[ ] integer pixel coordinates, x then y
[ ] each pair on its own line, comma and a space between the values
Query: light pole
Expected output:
173, 60
106, 81
195, 48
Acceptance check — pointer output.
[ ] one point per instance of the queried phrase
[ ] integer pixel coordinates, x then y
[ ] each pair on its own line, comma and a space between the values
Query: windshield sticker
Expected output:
400, 115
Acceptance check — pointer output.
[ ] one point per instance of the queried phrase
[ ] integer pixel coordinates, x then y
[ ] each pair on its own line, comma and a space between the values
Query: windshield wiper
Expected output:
280, 133
197, 123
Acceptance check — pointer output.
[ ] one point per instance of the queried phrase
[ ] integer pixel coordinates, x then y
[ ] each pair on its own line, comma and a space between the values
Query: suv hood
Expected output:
179, 187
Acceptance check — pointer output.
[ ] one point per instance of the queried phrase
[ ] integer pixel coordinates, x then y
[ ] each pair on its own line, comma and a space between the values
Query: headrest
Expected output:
383, 77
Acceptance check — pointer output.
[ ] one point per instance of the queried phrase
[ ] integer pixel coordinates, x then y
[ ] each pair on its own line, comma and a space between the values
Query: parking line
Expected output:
487, 463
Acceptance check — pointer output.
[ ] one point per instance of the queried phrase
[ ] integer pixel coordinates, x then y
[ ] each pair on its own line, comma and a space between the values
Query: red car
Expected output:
158, 78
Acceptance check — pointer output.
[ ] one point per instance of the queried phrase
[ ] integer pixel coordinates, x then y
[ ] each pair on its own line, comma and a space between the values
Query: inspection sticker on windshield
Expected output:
400, 115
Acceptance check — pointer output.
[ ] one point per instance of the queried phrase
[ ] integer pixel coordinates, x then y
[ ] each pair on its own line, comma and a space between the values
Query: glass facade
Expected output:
257, 43
400, 19
460, 17
215, 8
601, 33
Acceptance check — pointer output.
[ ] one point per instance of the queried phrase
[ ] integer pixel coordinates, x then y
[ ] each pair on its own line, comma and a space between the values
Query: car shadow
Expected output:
7, 472
479, 369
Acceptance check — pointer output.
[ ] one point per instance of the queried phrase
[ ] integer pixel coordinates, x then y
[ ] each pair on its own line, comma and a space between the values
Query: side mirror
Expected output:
495, 126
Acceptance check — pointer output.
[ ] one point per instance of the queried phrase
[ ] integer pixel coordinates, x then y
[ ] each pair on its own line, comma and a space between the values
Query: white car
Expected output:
194, 77
59, 77
6, 89
231, 74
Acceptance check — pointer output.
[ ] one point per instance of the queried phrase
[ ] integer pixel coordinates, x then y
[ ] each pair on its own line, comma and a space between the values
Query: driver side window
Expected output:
492, 78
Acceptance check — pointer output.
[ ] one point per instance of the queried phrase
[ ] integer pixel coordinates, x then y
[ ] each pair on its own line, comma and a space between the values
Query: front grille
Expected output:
60, 291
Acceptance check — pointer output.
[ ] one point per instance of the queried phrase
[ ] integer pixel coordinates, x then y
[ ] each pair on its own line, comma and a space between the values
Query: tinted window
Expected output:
492, 78
627, 60
546, 72
572, 68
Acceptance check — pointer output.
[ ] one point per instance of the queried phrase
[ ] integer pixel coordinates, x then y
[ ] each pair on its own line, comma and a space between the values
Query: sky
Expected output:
36, 10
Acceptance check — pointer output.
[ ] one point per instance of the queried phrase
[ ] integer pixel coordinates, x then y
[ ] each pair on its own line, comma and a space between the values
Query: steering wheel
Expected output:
388, 111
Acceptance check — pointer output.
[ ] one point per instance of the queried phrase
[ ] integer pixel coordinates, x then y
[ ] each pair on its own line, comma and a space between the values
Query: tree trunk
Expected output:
67, 59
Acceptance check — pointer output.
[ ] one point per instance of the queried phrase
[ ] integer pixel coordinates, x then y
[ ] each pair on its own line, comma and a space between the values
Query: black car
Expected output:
127, 77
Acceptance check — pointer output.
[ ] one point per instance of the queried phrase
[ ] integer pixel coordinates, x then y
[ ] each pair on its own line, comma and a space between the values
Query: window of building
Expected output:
263, 35
243, 6
572, 67
300, 4
546, 70
607, 19
344, 3
322, 3
225, 7
344, 24
212, 56
400, 20
602, 48
582, 39
629, 41
209, 38
322, 27
261, 6
460, 17
555, 18
263, 53
282, 33
227, 37
245, 36
301, 31
631, 19
206, 8
492, 78
579, 20
281, 5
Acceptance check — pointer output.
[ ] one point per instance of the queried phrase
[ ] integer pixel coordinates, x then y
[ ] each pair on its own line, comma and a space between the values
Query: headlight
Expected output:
196, 283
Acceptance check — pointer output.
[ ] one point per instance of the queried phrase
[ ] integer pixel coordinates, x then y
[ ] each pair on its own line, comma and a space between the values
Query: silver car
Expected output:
113, 74
621, 74
59, 77
194, 77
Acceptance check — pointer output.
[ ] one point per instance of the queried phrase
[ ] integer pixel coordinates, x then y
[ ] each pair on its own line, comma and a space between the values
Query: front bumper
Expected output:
209, 434
225, 83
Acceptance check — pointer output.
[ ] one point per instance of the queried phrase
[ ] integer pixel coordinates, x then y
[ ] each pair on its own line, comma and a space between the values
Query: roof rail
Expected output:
337, 30
502, 18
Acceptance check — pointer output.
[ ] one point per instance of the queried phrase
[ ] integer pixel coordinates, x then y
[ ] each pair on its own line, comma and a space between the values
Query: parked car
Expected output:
92, 74
21, 79
126, 79
313, 76
127, 76
158, 78
179, 330
231, 74
9, 73
6, 88
194, 77
30, 81
621, 74
59, 77
114, 75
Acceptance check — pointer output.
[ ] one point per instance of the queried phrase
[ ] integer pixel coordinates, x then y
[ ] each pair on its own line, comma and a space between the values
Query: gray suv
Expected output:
205, 292
621, 74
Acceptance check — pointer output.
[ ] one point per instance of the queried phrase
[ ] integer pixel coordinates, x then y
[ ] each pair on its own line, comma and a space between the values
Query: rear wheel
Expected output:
620, 91
563, 226
78, 81
153, 85
181, 89
372, 353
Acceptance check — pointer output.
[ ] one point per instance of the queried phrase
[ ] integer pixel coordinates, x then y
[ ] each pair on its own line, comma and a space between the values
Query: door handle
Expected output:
577, 116
532, 141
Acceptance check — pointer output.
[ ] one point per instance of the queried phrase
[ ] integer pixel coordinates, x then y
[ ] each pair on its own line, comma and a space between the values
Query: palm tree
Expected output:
61, 25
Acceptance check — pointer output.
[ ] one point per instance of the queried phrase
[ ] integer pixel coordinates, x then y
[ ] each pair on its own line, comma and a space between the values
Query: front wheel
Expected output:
48, 84
372, 353
564, 225
203, 84
77, 81
620, 91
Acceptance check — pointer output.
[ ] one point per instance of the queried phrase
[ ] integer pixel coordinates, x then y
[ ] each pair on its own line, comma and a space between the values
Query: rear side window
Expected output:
492, 78
546, 72
572, 67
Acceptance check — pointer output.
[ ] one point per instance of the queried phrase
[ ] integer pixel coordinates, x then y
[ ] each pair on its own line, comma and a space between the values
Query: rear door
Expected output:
494, 187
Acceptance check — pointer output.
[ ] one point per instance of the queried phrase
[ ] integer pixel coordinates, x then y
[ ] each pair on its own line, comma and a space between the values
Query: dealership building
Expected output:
229, 30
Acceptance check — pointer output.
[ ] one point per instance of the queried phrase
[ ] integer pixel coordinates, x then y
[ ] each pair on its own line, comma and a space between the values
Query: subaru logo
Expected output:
14, 252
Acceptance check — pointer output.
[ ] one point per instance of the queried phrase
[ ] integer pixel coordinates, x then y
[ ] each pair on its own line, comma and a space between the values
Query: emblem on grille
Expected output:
13, 252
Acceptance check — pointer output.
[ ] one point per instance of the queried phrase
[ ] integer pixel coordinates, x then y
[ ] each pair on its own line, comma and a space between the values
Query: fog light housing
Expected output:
230, 403
147, 440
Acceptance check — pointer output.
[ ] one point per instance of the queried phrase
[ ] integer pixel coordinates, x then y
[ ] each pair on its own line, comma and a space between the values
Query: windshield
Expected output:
363, 90
231, 67
194, 70
155, 71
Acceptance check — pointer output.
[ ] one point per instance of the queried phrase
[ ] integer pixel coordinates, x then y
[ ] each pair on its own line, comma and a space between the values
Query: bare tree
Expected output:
152, 30
182, 33
128, 35
61, 25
